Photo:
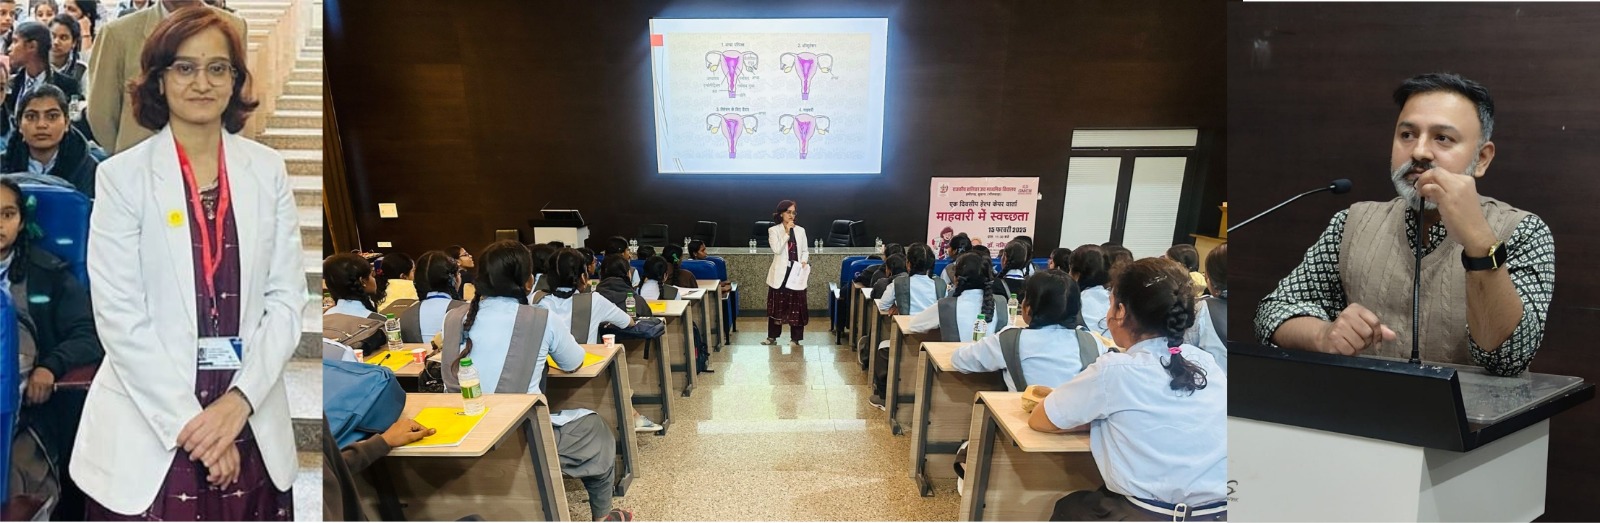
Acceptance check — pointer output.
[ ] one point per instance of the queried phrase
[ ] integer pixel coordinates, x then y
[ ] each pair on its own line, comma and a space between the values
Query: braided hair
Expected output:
1052, 299
541, 254
436, 272
656, 269
568, 268
504, 273
920, 256
1159, 297
392, 266
1015, 257
1089, 266
673, 254
1185, 255
973, 272
1062, 258
19, 245
346, 275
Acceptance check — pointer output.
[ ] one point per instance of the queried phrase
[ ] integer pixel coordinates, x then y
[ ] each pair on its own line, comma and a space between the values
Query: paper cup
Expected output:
360, 356
419, 355
610, 340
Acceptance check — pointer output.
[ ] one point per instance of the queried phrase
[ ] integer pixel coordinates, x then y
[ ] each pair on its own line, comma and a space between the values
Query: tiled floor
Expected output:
778, 433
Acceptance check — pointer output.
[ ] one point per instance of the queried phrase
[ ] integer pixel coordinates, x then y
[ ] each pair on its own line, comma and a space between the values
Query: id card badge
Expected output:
220, 353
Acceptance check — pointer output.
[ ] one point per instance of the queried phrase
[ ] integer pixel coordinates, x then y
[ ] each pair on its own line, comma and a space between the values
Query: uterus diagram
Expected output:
806, 65
732, 64
805, 127
731, 125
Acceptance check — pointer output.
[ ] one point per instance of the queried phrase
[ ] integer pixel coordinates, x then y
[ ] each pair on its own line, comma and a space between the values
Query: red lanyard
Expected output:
211, 247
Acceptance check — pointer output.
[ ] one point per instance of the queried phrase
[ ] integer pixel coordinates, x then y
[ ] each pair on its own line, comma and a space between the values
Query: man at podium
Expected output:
1352, 293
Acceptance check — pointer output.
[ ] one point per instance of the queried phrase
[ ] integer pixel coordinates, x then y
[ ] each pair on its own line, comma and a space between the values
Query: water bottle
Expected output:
471, 389
391, 329
752, 246
1011, 307
685, 244
879, 244
977, 328
633, 313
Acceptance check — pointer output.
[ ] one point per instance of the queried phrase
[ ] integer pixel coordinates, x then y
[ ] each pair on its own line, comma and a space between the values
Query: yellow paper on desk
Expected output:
451, 425
658, 306
589, 358
394, 359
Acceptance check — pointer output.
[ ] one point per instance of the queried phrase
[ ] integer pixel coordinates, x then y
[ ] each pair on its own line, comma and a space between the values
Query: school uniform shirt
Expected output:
602, 311
1015, 278
349, 308
1096, 303
923, 295
649, 290
430, 317
968, 305
1204, 335
491, 342
1049, 356
1148, 440
398, 290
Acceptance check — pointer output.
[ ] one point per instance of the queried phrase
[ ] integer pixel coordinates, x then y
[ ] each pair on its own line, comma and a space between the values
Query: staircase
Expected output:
286, 47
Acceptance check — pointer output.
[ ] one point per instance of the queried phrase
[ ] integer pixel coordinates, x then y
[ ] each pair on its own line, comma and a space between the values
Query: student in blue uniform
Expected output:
1060, 259
394, 272
1049, 351
437, 275
484, 334
1015, 268
956, 316
1156, 414
1091, 268
349, 279
959, 245
1210, 331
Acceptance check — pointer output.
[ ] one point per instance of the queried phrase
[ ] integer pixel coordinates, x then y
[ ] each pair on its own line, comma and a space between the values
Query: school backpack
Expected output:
359, 400
356, 332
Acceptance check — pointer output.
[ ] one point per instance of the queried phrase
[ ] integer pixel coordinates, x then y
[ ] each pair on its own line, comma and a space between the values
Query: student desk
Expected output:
874, 334
653, 375
682, 359
1015, 473
900, 366
714, 294
602, 387
506, 468
858, 312
700, 299
942, 418
410, 376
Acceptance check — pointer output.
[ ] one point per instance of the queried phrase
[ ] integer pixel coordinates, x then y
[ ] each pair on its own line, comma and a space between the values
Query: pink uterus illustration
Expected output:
807, 65
730, 125
804, 126
731, 62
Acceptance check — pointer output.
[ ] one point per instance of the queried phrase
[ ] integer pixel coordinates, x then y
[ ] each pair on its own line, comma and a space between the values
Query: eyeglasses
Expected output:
186, 71
34, 116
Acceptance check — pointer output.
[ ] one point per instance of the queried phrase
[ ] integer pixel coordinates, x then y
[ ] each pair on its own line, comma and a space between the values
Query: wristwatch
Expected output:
1496, 258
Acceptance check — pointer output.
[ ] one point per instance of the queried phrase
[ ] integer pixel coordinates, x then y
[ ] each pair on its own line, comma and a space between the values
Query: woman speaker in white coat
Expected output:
194, 263
786, 278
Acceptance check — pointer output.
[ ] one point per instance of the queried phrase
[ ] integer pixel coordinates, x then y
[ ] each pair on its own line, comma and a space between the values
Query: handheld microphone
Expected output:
1339, 186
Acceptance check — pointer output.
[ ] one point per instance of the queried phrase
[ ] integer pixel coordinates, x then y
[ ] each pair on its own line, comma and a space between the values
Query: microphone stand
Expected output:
1329, 187
1416, 287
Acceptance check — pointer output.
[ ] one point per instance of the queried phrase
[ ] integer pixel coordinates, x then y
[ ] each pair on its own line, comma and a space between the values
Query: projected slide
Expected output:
769, 96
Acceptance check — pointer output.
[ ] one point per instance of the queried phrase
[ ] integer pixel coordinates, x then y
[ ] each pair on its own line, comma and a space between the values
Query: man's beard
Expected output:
1408, 192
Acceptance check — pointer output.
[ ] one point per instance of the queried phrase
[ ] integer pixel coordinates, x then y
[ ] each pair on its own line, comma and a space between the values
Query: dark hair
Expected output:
694, 248
674, 256
1015, 257
1052, 299
1217, 268
161, 50
973, 271
567, 269
38, 33
454, 251
984, 250
90, 10
656, 269
345, 274
71, 24
504, 273
43, 91
777, 214
391, 266
557, 244
645, 252
1062, 258
1452, 83
541, 254
920, 256
436, 272
19, 245
616, 245
1025, 239
1116, 256
1185, 255
615, 267
960, 244
1159, 298
588, 259
896, 264
1090, 266
890, 249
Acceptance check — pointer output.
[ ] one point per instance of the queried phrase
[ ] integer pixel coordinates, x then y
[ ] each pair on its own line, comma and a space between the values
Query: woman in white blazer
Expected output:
194, 263
786, 278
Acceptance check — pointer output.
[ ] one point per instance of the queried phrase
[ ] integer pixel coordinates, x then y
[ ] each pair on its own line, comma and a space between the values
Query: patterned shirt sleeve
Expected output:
1312, 289
1531, 260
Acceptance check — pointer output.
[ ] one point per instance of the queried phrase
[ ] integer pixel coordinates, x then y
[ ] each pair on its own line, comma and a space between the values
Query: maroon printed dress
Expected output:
787, 306
185, 495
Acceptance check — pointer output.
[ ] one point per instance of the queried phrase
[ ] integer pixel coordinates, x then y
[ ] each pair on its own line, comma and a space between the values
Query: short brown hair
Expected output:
161, 50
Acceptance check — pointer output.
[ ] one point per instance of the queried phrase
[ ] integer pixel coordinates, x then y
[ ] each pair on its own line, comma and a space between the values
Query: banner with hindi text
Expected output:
991, 211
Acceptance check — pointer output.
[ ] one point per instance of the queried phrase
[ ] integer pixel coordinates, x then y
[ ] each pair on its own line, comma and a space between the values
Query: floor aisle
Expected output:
778, 433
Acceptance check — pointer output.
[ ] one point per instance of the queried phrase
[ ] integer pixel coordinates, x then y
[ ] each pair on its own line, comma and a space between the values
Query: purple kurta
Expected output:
186, 495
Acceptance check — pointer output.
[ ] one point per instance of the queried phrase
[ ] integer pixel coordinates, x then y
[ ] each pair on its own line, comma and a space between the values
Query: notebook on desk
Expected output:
452, 426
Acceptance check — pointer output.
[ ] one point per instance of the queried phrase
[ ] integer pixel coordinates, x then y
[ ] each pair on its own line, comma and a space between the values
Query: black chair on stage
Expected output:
653, 234
838, 235
758, 232
706, 232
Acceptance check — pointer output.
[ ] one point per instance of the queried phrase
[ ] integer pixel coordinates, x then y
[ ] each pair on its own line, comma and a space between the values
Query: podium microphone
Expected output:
1339, 186
1416, 289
